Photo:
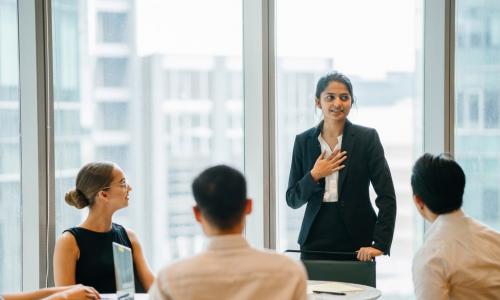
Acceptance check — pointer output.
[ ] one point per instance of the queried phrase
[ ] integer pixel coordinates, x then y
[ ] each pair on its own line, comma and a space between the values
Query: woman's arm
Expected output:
301, 185
380, 177
76, 292
66, 254
144, 272
40, 294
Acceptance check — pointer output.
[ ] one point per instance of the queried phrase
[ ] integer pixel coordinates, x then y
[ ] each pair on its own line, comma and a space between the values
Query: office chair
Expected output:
332, 266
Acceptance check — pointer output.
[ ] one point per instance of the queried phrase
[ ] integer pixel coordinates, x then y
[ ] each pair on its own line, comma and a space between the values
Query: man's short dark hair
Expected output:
220, 193
439, 181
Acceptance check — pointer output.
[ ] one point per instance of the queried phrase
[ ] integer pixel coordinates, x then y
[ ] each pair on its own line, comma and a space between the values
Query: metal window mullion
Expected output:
450, 84
271, 224
34, 137
439, 47
258, 90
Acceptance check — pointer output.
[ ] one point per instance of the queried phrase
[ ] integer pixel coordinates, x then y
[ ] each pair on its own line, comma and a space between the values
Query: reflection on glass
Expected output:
139, 83
385, 81
477, 106
10, 175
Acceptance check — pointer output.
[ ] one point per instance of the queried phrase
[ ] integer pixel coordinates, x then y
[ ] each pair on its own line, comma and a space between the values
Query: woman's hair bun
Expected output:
76, 198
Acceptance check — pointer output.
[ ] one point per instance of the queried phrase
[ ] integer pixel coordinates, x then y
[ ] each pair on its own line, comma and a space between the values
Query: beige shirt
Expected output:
332, 180
231, 269
460, 259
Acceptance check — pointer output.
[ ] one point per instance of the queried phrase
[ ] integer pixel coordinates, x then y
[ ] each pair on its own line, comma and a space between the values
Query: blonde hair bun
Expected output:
76, 198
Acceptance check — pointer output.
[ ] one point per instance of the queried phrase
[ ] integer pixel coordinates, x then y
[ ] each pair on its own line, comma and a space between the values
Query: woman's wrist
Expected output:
316, 177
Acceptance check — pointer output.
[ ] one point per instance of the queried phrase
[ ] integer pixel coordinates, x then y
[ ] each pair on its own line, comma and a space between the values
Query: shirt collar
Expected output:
443, 219
227, 242
324, 144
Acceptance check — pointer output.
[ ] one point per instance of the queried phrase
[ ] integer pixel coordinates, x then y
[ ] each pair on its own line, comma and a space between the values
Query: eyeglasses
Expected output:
123, 184
332, 97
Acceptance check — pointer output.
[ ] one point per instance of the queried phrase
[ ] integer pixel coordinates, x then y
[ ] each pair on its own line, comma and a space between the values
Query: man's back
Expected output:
231, 269
460, 259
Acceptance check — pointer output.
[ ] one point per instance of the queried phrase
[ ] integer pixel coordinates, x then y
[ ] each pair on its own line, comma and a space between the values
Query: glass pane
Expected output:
381, 56
139, 83
10, 164
477, 106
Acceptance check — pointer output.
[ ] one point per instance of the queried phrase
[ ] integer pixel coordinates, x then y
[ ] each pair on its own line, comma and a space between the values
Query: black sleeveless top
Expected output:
95, 266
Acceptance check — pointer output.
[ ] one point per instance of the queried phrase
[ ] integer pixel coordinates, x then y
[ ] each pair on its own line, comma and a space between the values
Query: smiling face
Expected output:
335, 102
119, 189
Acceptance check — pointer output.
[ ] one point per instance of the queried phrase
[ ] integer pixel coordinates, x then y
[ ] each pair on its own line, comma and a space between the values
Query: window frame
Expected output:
259, 69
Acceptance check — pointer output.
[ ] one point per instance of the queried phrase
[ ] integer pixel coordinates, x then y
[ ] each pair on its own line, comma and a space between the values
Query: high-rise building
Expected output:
10, 179
477, 106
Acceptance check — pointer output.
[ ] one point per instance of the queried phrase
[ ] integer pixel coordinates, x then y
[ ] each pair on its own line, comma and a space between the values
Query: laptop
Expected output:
124, 272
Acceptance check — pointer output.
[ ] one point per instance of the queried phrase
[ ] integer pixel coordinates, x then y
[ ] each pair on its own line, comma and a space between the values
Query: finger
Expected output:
336, 151
92, 296
341, 154
338, 162
342, 159
336, 156
91, 293
338, 168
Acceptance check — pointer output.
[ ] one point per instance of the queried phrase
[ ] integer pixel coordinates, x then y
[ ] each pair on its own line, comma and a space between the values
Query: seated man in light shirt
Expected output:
460, 257
229, 268
73, 292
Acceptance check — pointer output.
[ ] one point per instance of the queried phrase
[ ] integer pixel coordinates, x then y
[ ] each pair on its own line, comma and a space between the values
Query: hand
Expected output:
326, 166
80, 292
367, 253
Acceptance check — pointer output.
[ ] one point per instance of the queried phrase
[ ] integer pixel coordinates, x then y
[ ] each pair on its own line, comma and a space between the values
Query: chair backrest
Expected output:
360, 272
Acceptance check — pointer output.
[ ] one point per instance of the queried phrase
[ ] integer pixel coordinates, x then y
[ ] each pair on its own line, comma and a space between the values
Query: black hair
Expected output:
220, 193
439, 181
334, 76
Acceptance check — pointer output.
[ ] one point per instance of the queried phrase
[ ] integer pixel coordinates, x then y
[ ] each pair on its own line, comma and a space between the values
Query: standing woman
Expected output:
84, 254
333, 165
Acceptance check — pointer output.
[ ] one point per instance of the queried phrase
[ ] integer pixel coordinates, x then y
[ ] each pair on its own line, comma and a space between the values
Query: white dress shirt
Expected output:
460, 259
332, 180
231, 269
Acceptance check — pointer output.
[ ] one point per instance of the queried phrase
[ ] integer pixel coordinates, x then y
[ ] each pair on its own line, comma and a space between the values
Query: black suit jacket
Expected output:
365, 163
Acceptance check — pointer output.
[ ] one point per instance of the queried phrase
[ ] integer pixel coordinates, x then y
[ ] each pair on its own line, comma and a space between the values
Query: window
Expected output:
149, 113
112, 115
474, 110
112, 27
478, 141
67, 68
71, 120
385, 82
119, 154
10, 152
490, 205
112, 72
491, 110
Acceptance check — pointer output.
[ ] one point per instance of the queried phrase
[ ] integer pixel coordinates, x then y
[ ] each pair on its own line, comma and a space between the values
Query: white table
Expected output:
367, 293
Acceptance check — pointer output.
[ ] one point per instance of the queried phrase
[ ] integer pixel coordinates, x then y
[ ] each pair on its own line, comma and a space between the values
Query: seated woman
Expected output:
84, 254
75, 292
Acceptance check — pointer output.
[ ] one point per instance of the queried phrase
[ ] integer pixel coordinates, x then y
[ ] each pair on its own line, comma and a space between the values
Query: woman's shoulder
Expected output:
307, 133
362, 129
67, 241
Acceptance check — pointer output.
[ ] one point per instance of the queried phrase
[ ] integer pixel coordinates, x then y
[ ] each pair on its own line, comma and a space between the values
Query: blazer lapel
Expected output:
315, 146
348, 139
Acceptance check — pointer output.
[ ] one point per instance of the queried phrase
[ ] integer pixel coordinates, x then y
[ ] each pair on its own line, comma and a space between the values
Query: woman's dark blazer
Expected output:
365, 163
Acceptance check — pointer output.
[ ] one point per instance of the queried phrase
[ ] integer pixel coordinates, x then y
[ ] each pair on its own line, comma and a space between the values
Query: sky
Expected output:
365, 37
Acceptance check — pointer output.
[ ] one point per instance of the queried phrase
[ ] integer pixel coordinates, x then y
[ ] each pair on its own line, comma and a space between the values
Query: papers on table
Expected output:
335, 287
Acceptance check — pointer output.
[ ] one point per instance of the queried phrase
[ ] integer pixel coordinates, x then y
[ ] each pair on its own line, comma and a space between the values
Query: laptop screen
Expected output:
124, 271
